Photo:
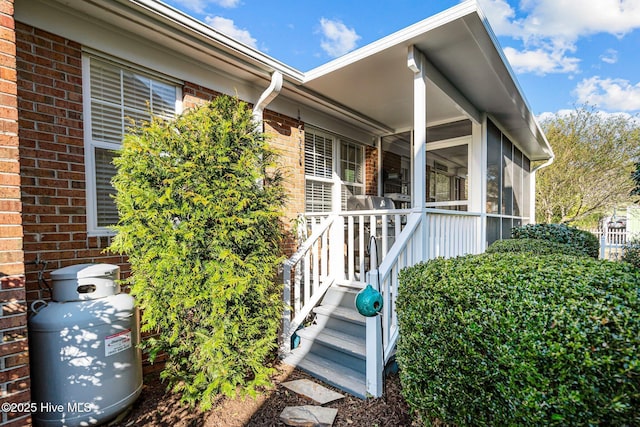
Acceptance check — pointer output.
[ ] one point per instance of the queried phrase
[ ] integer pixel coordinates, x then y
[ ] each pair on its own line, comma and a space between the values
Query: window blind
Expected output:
121, 99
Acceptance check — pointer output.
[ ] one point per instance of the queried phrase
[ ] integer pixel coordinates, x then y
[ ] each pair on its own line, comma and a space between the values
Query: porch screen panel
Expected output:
526, 188
517, 182
508, 185
121, 99
507, 177
494, 153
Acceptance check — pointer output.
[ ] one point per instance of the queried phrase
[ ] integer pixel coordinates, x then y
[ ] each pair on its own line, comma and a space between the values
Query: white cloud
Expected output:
337, 38
199, 6
540, 61
609, 94
554, 26
228, 27
610, 56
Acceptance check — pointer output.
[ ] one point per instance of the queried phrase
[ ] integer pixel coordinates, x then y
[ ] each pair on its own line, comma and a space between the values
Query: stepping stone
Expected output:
313, 391
308, 416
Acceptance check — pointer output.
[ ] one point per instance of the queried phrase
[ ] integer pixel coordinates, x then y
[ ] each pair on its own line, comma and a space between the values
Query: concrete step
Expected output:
330, 372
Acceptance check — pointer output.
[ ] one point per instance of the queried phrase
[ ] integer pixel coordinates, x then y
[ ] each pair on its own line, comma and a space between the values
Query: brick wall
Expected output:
14, 368
287, 137
52, 158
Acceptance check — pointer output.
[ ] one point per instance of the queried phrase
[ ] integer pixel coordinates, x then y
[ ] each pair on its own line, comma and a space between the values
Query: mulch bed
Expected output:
158, 407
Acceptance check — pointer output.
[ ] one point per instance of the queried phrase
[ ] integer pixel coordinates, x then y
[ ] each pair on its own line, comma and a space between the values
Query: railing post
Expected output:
375, 361
286, 311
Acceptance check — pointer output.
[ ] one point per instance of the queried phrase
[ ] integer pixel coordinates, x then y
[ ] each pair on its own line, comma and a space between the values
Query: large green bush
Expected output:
560, 233
199, 220
533, 246
521, 340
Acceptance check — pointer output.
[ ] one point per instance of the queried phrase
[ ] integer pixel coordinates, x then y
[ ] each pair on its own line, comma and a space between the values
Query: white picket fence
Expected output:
612, 241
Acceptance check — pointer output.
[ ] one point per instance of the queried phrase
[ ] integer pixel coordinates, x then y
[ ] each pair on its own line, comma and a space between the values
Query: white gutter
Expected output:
267, 96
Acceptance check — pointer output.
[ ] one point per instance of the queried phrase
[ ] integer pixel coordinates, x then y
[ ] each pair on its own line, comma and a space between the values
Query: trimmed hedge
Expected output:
533, 246
515, 339
560, 233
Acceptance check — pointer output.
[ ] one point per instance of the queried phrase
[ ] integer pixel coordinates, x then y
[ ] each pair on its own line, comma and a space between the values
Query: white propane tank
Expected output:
85, 364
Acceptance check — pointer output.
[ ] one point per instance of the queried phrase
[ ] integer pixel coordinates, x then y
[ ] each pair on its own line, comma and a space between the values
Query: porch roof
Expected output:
371, 87
375, 80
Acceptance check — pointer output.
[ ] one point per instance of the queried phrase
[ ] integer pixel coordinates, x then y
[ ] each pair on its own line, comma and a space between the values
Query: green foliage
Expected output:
533, 246
560, 233
199, 220
521, 340
631, 253
595, 157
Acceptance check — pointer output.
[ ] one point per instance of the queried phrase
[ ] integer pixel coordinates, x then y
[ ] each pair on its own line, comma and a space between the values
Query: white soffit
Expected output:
375, 80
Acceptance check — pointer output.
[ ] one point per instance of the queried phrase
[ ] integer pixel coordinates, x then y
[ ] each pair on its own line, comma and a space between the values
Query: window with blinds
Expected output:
322, 154
318, 171
121, 97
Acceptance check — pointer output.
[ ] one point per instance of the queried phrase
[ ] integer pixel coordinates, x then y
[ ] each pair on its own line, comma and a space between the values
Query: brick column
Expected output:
14, 361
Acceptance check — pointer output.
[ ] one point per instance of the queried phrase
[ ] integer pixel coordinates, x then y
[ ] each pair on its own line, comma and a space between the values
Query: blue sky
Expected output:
565, 53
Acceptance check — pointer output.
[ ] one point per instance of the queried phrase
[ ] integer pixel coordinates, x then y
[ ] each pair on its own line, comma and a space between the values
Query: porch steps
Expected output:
333, 348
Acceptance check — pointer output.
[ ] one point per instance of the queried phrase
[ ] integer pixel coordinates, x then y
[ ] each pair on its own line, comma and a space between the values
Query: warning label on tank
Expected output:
117, 342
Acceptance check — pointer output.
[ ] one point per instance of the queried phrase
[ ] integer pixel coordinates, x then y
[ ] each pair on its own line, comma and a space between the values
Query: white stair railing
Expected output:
426, 235
306, 277
385, 225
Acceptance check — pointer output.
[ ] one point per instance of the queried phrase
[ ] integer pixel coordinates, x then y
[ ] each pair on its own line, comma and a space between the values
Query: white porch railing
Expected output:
435, 233
311, 279
337, 251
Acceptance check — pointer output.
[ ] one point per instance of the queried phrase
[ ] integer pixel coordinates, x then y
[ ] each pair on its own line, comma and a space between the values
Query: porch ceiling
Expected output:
376, 82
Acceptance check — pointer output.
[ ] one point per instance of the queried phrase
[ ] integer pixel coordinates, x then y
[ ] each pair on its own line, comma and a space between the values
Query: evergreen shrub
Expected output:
631, 253
560, 233
199, 200
533, 246
520, 340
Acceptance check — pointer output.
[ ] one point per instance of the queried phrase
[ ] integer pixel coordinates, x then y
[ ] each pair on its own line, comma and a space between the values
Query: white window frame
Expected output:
336, 181
90, 145
448, 143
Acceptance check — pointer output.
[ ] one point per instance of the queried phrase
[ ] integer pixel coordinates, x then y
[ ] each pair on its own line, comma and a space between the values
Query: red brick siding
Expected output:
287, 137
52, 157
14, 358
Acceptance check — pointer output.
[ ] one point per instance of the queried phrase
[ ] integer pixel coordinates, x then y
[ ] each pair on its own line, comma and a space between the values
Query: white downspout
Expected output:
267, 96
532, 189
265, 99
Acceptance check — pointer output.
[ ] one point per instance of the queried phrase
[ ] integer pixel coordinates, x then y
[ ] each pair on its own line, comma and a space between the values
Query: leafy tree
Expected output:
199, 201
635, 176
595, 155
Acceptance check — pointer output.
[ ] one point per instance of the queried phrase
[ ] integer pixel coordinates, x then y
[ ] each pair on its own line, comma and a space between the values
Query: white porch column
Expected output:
417, 63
